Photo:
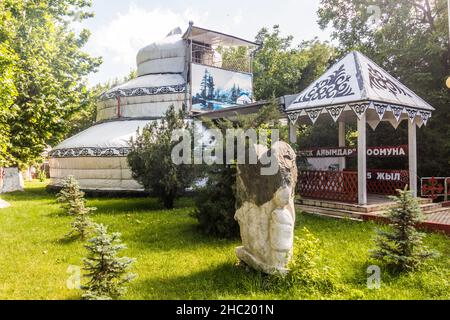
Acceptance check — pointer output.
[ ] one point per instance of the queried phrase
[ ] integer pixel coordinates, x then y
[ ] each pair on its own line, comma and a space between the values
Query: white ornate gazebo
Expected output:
356, 89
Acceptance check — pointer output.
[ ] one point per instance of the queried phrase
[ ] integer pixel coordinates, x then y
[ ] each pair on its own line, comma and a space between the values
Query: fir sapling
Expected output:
73, 201
402, 247
107, 272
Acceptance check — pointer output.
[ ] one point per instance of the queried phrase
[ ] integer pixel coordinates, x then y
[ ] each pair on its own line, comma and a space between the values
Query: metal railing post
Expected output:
446, 189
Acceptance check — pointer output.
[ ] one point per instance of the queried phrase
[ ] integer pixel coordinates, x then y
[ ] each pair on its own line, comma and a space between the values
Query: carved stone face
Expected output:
282, 197
260, 189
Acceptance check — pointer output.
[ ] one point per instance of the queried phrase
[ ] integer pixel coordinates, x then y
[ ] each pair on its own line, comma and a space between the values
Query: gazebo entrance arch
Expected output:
357, 90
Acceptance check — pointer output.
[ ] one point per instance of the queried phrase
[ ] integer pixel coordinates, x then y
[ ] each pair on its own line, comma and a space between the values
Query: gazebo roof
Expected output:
358, 84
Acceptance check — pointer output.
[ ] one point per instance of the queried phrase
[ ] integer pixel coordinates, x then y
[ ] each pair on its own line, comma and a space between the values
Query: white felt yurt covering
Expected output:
97, 156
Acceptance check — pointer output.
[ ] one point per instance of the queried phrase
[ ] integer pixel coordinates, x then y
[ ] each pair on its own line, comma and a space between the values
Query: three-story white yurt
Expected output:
96, 157
168, 73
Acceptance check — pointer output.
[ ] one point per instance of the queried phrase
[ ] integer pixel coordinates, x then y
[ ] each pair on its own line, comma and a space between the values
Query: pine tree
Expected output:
216, 203
72, 199
70, 194
233, 95
402, 248
211, 87
107, 272
150, 158
204, 85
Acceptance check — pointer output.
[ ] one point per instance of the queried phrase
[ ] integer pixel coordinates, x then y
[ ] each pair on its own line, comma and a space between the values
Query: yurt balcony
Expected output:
215, 49
232, 59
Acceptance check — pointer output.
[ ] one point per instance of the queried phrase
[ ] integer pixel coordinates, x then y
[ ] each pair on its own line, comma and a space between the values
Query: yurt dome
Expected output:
160, 83
166, 56
96, 157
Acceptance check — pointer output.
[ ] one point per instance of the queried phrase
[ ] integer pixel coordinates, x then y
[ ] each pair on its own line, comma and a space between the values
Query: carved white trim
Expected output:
360, 108
314, 114
380, 109
293, 117
412, 113
336, 111
397, 111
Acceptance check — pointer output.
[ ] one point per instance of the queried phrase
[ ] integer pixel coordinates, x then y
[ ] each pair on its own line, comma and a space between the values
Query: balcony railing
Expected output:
210, 57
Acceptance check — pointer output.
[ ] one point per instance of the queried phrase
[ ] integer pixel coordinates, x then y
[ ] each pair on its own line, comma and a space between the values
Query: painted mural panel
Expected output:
216, 89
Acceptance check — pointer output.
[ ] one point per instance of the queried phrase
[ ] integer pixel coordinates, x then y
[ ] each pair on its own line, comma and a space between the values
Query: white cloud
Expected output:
120, 40
237, 19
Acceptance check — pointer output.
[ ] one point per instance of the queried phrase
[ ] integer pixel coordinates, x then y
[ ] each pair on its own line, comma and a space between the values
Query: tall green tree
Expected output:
235, 58
408, 38
280, 68
51, 72
86, 112
8, 89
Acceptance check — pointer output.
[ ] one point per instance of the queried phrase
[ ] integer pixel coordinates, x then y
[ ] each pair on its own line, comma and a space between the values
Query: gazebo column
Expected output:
292, 132
362, 161
342, 162
412, 149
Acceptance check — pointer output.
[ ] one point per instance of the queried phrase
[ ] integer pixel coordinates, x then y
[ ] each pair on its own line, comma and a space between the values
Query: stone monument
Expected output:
266, 212
12, 180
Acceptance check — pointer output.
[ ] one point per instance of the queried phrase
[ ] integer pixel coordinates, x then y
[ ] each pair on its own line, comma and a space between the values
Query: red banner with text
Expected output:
380, 152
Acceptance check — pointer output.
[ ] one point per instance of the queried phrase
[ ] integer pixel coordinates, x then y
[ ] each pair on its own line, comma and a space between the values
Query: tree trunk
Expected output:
169, 201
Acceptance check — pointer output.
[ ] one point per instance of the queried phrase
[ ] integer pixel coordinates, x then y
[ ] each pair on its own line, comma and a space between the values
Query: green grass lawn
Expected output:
174, 261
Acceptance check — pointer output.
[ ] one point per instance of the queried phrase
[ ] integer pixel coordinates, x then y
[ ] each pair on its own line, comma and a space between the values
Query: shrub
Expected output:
108, 274
216, 204
41, 175
151, 162
72, 200
305, 266
402, 248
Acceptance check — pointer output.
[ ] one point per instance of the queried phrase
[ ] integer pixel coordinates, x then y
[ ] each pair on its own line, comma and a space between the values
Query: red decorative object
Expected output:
119, 113
386, 182
329, 185
433, 187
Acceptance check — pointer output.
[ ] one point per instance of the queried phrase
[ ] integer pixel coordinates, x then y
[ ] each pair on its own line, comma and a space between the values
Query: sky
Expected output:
121, 27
